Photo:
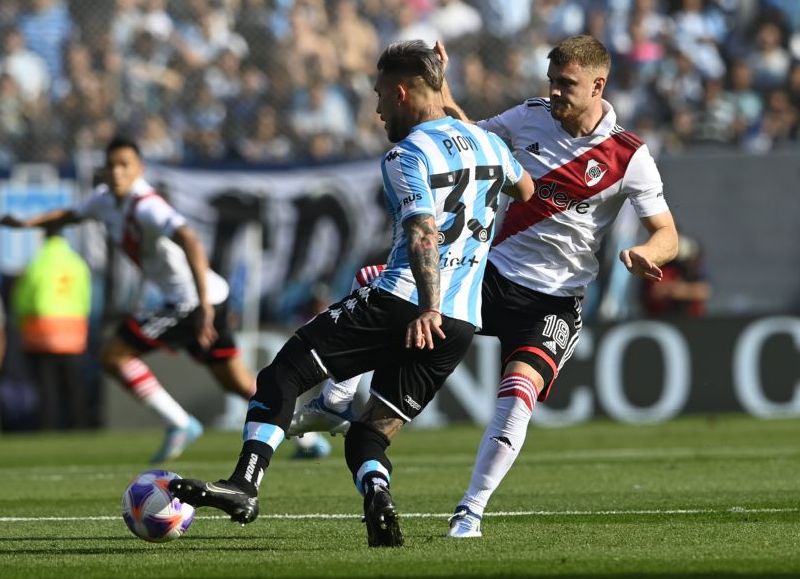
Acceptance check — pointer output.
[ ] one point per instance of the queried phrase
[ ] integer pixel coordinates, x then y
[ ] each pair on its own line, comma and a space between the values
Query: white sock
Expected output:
168, 408
338, 395
143, 384
502, 440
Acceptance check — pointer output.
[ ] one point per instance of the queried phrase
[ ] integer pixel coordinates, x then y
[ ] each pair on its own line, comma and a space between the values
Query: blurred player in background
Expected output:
416, 322
167, 251
585, 166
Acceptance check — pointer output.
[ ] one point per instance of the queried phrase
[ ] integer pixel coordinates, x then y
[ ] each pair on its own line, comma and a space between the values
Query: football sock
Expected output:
365, 452
502, 440
338, 395
140, 381
253, 461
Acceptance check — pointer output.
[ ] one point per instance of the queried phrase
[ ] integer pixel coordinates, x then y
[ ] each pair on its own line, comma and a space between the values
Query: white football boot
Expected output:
464, 524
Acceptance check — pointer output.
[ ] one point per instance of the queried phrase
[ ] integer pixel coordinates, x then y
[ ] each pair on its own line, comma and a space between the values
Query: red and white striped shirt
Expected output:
142, 225
549, 243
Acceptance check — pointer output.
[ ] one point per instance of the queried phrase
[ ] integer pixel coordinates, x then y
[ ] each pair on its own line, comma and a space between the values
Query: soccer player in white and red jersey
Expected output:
585, 167
167, 251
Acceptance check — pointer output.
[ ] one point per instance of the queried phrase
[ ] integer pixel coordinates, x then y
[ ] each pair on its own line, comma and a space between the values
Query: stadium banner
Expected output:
650, 371
644, 371
31, 189
319, 225
641, 371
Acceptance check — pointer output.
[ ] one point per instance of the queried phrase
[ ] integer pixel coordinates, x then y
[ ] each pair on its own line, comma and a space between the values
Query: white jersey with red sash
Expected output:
549, 243
142, 225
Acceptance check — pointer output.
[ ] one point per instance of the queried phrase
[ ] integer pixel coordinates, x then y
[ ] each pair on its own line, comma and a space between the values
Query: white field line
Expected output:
323, 516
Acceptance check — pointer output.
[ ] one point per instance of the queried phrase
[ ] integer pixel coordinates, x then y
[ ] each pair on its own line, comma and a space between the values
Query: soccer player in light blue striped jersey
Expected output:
453, 172
415, 323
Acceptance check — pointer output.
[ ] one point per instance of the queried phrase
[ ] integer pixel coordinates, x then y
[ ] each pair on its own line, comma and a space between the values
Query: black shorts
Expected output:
533, 327
175, 328
367, 331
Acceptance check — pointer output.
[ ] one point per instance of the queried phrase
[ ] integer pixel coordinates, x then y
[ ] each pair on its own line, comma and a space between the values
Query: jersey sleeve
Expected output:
158, 216
89, 208
405, 175
642, 184
512, 169
503, 124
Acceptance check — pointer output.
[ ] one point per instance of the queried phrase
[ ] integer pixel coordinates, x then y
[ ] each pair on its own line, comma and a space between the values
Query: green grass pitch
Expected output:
697, 497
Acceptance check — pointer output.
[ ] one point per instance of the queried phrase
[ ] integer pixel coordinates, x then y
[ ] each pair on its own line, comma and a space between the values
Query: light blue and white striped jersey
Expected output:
453, 171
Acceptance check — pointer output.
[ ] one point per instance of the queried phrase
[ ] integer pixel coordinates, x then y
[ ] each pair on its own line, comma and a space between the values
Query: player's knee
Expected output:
113, 358
294, 369
542, 370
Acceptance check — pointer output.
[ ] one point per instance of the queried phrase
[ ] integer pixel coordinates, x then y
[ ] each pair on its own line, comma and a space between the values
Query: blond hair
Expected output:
585, 51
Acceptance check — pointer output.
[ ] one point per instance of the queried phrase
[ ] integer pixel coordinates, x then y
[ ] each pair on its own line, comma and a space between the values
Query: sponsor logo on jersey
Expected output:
411, 402
594, 172
335, 313
410, 199
550, 345
548, 191
393, 154
533, 148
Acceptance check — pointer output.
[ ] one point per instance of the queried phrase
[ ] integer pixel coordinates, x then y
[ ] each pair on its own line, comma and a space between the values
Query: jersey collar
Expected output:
446, 120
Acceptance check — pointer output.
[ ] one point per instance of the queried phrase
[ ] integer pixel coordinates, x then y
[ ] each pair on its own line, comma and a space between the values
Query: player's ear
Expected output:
402, 93
598, 86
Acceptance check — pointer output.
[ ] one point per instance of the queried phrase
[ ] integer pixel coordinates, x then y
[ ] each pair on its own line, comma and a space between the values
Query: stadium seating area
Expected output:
264, 81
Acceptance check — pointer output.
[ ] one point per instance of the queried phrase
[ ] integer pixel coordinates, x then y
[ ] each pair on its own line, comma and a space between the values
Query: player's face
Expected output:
123, 167
572, 89
388, 109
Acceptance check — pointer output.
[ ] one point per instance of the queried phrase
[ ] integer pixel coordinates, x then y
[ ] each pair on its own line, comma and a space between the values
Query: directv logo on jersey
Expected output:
533, 148
594, 172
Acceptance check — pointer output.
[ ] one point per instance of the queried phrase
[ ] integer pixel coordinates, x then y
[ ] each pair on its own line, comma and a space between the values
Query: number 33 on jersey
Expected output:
453, 171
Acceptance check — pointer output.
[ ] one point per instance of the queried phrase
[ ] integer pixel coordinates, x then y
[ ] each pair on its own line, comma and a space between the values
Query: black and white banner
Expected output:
316, 226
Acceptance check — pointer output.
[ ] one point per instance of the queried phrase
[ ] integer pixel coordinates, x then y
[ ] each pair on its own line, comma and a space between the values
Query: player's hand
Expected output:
439, 50
10, 221
420, 331
639, 265
206, 333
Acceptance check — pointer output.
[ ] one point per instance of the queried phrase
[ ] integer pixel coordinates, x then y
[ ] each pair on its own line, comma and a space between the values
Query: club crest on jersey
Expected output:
594, 172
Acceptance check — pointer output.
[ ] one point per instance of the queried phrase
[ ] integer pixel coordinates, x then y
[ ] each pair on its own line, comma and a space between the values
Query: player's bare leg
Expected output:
123, 363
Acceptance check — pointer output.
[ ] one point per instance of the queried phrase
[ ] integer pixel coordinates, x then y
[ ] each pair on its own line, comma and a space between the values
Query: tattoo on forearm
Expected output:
423, 253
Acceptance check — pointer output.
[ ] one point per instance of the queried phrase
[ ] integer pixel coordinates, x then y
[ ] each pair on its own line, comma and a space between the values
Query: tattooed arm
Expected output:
423, 251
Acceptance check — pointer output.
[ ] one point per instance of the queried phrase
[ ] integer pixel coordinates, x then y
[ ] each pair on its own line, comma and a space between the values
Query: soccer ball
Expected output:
150, 510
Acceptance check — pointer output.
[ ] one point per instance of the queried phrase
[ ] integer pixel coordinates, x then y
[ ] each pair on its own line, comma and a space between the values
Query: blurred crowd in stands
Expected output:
266, 81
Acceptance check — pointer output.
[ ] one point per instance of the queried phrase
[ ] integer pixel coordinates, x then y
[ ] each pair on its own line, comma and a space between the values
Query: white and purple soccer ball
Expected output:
150, 510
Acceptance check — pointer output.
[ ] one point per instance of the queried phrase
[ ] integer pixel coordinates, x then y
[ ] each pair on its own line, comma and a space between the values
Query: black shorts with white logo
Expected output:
533, 327
174, 328
367, 331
